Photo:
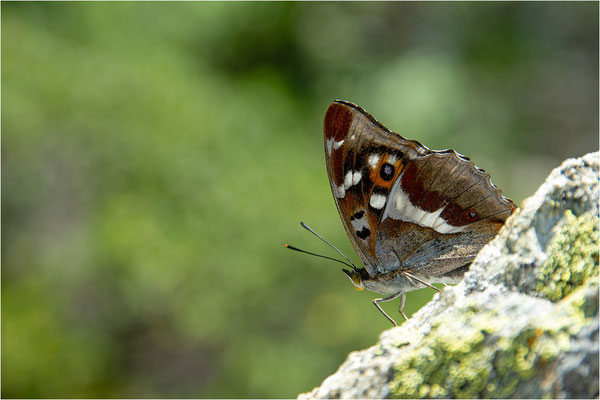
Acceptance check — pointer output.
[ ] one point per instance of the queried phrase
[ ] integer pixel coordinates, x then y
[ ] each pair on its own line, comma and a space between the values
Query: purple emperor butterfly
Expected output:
415, 216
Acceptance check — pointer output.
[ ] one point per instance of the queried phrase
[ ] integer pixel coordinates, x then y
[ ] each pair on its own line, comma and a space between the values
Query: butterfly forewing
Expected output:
346, 132
403, 205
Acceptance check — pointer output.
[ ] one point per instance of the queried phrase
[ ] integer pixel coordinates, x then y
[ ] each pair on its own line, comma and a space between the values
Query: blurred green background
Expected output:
156, 157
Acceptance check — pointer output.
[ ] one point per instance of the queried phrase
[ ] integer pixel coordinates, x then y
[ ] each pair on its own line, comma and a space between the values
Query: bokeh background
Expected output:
156, 157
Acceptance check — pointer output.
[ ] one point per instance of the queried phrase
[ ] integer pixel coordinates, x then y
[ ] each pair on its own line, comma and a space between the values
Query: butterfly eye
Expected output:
386, 172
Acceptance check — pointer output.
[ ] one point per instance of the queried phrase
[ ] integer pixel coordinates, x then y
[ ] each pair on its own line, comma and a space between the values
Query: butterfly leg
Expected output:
411, 277
401, 306
389, 298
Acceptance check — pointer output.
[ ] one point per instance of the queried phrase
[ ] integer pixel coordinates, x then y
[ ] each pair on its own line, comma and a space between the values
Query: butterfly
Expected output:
415, 216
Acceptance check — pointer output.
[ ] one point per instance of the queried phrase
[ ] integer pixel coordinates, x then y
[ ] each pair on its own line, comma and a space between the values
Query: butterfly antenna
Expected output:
332, 246
318, 255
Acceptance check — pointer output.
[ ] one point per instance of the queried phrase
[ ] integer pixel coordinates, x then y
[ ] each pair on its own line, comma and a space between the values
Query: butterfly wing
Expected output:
403, 205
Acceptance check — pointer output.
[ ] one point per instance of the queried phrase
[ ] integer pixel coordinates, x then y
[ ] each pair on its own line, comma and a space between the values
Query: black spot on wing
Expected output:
357, 215
387, 172
349, 162
363, 233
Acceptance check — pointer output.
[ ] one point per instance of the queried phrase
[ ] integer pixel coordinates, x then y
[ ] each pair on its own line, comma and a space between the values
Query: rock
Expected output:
522, 324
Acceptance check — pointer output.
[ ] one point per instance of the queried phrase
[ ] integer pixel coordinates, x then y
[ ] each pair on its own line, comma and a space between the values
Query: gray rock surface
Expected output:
523, 322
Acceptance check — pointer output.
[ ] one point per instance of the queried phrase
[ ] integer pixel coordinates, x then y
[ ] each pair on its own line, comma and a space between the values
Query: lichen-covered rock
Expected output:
522, 324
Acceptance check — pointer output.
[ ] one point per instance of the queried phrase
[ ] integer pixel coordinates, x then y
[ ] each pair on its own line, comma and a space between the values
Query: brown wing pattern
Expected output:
345, 133
402, 204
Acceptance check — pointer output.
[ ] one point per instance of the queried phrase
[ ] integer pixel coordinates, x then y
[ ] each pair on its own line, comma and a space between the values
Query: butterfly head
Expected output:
356, 277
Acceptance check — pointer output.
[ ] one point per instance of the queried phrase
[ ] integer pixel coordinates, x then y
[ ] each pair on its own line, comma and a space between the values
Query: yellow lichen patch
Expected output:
573, 257
469, 355
582, 305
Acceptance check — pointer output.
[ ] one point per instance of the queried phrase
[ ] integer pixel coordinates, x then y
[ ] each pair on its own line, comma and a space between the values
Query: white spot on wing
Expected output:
443, 227
351, 178
374, 160
392, 159
339, 191
360, 223
400, 208
333, 145
377, 201
348, 180
429, 218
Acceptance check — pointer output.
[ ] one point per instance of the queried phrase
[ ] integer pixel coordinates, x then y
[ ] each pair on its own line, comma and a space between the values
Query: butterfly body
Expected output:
415, 216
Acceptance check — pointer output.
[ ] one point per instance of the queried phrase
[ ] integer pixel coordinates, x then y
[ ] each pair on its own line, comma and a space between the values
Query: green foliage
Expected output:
156, 157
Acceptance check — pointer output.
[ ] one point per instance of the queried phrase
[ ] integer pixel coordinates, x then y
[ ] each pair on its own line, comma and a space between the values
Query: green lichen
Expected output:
582, 305
573, 257
470, 355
